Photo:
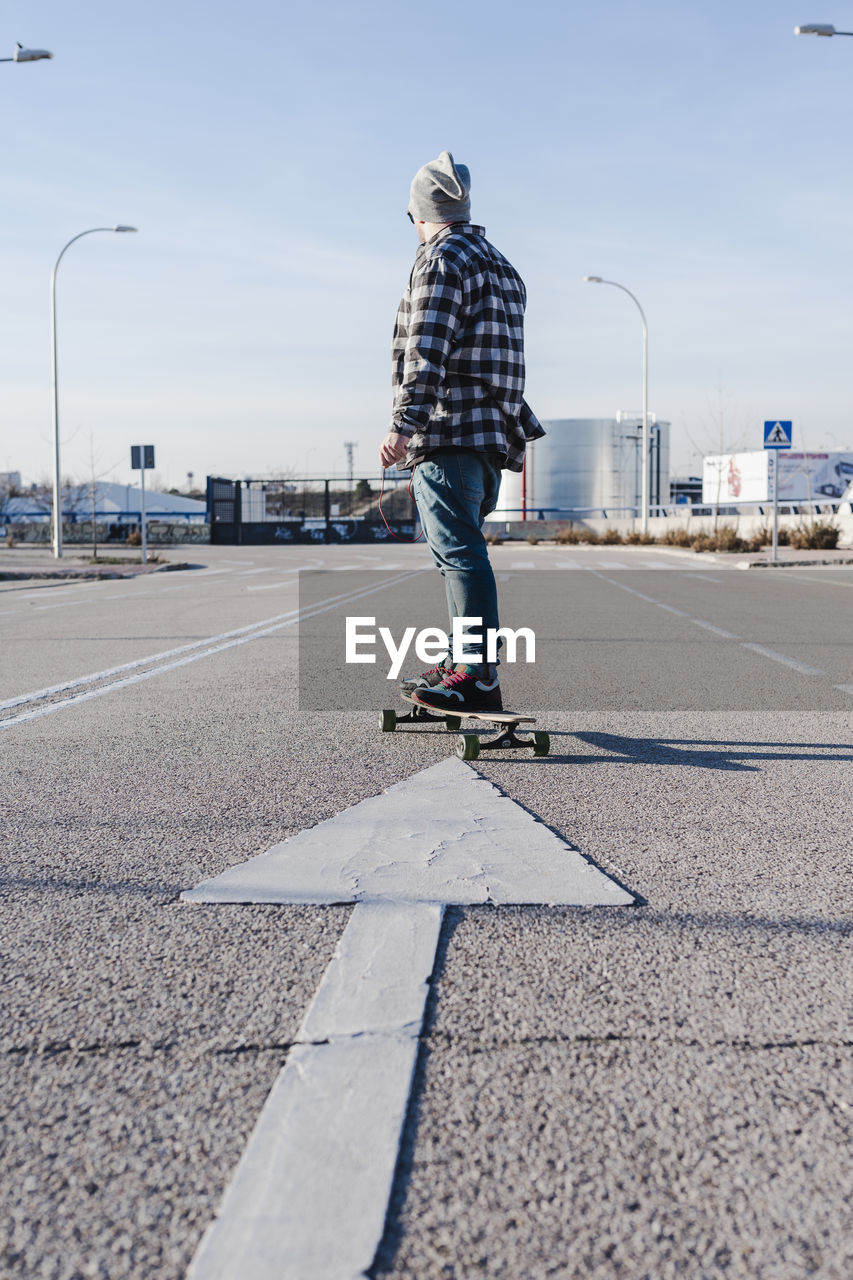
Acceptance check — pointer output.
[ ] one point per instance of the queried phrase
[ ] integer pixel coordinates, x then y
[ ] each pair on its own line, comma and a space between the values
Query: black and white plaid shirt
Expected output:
458, 351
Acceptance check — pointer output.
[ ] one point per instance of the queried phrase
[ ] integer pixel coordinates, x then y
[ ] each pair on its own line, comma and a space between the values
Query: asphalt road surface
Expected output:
660, 1090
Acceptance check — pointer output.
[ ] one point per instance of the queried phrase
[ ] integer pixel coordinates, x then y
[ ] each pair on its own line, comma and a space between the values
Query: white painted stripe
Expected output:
802, 667
845, 688
324, 1149
377, 980
701, 577
825, 581
444, 835
718, 631
92, 677
567, 564
60, 604
272, 586
681, 613
76, 698
655, 564
522, 564
325, 1146
614, 564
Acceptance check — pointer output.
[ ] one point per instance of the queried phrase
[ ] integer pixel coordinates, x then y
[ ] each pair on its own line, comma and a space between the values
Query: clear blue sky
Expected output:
697, 153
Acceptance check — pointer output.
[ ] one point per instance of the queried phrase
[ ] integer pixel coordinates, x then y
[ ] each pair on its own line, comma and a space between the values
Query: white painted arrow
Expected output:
309, 1197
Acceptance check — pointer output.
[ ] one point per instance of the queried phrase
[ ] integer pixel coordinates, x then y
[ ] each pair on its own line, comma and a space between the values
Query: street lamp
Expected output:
820, 29
644, 514
57, 498
27, 55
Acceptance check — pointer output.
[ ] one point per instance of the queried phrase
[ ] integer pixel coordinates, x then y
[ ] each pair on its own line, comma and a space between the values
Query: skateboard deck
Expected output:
469, 743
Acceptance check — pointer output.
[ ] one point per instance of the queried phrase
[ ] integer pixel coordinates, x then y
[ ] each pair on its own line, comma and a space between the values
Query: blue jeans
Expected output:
454, 492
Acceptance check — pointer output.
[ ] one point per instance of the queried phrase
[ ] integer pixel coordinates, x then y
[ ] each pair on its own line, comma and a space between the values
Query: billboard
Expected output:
803, 477
735, 477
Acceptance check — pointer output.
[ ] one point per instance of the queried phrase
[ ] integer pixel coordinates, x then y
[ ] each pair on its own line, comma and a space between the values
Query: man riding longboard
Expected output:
459, 417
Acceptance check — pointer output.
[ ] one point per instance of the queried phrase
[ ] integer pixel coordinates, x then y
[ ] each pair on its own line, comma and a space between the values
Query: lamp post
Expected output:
819, 29
27, 55
644, 513
57, 497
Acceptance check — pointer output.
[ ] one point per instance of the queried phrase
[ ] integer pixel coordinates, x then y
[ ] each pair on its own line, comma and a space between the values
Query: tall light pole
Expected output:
646, 480
57, 496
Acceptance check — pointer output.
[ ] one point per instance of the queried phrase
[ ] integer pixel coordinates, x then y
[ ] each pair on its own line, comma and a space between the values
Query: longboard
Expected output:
469, 744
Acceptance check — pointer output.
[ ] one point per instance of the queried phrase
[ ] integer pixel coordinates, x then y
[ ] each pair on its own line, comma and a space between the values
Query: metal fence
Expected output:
310, 509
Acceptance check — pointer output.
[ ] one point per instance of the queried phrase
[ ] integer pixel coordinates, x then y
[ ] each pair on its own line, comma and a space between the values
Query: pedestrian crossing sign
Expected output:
777, 435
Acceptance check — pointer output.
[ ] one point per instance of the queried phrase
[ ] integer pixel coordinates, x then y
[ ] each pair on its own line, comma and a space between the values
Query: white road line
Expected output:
567, 564
293, 617
845, 688
60, 604
701, 577
522, 564
718, 631
802, 667
614, 564
826, 581
655, 564
670, 608
272, 586
325, 1147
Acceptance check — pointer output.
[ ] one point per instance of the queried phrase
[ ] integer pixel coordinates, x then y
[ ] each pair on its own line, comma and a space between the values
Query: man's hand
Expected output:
392, 449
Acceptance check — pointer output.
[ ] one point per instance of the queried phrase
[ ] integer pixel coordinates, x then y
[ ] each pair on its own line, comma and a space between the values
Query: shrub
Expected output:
534, 542
820, 536
494, 540
612, 537
134, 539
762, 537
702, 542
566, 537
727, 539
589, 536
677, 538
637, 539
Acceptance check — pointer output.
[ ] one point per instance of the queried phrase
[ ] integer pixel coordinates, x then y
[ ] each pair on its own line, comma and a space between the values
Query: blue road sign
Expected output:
777, 435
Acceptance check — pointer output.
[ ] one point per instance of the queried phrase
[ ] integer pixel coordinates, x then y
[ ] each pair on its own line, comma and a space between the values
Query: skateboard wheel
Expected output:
389, 721
452, 723
467, 746
541, 743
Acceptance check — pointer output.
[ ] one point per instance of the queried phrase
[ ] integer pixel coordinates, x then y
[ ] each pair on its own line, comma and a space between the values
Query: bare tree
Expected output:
93, 478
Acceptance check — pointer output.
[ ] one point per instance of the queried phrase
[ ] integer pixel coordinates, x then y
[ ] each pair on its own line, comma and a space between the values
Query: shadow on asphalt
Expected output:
699, 753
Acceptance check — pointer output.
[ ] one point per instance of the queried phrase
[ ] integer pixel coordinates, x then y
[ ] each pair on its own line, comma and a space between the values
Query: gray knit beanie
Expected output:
440, 191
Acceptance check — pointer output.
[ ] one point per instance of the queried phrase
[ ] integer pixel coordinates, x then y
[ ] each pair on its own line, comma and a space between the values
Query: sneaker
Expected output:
462, 691
427, 679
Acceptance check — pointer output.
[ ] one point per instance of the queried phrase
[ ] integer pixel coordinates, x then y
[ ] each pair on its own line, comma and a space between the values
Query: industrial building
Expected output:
587, 465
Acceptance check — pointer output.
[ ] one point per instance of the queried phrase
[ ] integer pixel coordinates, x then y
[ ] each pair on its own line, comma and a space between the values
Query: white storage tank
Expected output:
586, 465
